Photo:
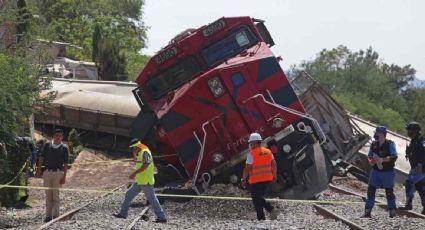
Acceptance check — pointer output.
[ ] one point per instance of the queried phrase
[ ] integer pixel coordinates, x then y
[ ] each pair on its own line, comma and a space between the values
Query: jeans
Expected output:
381, 179
257, 193
414, 179
149, 192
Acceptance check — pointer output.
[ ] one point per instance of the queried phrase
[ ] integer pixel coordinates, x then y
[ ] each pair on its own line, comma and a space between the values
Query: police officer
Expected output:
382, 156
144, 181
415, 153
261, 169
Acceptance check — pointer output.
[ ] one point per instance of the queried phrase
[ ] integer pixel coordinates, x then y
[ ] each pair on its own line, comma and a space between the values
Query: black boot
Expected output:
408, 205
367, 213
392, 213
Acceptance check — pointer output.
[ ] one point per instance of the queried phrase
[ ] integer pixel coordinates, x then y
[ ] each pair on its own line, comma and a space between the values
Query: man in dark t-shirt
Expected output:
54, 160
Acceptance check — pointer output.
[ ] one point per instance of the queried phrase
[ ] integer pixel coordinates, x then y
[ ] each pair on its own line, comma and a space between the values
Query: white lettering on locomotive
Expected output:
241, 141
165, 55
214, 27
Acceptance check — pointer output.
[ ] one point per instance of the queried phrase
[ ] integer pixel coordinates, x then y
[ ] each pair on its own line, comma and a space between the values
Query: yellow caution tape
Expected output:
99, 162
16, 177
189, 196
115, 161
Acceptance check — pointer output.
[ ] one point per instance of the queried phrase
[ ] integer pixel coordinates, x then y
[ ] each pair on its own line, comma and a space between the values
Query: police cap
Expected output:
413, 125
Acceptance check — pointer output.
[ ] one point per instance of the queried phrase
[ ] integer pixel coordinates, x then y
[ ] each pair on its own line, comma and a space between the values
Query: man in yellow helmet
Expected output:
144, 180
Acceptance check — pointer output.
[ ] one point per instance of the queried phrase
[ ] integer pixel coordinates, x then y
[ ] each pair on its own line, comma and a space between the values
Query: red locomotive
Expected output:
208, 89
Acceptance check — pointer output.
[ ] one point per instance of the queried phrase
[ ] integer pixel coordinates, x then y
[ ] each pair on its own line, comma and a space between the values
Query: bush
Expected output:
362, 106
74, 145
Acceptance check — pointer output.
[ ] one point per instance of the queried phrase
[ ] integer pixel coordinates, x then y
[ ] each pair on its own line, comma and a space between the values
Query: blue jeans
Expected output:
149, 192
381, 179
412, 180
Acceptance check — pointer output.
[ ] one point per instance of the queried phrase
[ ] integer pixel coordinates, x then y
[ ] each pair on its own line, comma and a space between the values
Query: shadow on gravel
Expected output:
138, 204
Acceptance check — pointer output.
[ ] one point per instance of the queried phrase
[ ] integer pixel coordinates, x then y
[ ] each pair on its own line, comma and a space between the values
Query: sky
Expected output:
302, 28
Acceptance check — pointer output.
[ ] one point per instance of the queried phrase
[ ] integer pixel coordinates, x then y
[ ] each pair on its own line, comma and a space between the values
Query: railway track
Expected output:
350, 214
71, 217
219, 214
378, 202
332, 215
67, 215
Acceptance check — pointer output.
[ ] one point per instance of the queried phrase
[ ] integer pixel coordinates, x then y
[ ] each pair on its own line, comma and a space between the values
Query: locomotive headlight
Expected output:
286, 148
217, 157
216, 87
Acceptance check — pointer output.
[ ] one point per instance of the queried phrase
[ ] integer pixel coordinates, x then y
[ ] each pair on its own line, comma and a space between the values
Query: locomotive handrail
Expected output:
201, 154
315, 122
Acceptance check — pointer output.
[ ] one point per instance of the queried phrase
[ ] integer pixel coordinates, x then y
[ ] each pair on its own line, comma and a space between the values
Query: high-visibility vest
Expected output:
261, 166
147, 176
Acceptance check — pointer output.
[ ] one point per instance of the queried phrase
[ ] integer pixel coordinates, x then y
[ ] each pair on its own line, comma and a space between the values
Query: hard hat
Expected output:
134, 143
255, 137
381, 129
413, 125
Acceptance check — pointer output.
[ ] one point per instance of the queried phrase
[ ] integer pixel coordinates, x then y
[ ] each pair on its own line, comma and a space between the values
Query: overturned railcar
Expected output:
207, 90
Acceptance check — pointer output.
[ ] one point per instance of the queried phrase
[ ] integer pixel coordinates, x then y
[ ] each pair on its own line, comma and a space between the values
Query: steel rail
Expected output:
329, 214
379, 203
138, 217
69, 214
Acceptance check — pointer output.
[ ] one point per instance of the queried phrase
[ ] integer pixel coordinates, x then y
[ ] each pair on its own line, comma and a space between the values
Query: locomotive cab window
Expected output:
229, 46
172, 77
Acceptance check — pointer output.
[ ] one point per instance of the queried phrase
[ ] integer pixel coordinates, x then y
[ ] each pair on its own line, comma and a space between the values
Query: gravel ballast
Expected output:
219, 214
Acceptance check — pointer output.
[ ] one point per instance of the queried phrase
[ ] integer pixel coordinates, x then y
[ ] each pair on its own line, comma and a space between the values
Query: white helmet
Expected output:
255, 137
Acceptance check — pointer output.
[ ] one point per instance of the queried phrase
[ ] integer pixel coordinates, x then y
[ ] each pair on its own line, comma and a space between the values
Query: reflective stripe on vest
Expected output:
147, 176
261, 170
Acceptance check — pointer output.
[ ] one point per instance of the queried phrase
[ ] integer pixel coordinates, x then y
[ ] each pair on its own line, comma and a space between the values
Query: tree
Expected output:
23, 16
353, 75
112, 62
97, 36
415, 98
76, 22
135, 63
20, 88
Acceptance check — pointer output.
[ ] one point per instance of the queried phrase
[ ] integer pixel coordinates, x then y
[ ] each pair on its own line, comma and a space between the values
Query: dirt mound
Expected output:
91, 169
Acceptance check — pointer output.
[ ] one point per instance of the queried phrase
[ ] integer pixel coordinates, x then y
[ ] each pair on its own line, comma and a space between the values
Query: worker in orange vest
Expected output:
261, 169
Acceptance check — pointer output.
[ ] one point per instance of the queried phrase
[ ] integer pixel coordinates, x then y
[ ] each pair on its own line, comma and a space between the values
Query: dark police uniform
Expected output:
415, 153
382, 177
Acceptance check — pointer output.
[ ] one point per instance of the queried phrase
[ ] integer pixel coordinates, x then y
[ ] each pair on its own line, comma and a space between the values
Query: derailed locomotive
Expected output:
208, 89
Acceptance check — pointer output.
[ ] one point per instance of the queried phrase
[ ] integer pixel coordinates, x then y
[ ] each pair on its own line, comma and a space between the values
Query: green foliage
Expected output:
96, 39
20, 87
23, 16
364, 84
79, 22
74, 144
415, 98
135, 63
110, 60
361, 105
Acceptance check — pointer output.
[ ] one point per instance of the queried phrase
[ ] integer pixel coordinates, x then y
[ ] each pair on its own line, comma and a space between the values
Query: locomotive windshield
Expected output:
229, 46
173, 77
